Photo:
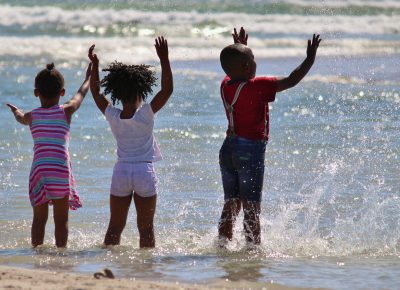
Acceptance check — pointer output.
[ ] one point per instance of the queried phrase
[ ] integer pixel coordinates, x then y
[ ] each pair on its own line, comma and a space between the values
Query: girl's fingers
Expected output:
12, 107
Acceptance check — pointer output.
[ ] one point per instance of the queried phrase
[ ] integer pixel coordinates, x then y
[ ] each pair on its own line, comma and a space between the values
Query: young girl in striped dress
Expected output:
51, 180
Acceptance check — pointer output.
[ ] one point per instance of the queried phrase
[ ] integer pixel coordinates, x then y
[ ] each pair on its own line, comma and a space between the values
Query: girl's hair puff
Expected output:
125, 83
49, 82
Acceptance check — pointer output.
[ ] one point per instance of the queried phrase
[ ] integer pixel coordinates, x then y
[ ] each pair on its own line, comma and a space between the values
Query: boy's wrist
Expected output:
164, 60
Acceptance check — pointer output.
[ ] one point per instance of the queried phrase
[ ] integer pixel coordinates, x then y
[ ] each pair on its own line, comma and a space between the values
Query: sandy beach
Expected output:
17, 278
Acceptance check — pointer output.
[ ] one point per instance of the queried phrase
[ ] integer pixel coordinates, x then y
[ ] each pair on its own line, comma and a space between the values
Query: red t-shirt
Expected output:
250, 112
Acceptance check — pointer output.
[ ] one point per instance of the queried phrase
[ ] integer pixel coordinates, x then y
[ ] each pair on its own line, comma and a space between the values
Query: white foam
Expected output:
177, 23
129, 50
191, 35
346, 3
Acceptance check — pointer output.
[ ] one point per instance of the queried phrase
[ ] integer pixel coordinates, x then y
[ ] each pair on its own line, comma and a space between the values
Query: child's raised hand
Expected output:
12, 107
241, 37
161, 46
313, 46
100, 100
21, 117
92, 56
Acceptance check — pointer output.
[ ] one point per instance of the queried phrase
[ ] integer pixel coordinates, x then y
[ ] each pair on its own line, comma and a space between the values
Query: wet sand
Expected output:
17, 278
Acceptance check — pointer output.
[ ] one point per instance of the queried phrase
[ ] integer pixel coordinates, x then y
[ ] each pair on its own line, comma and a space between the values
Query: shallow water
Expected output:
331, 201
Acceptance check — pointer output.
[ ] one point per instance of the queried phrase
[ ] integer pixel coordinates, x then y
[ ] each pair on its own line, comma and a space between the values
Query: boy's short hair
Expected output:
126, 83
233, 56
49, 82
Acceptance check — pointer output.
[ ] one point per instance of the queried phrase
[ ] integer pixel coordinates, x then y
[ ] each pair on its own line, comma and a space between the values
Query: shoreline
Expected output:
19, 278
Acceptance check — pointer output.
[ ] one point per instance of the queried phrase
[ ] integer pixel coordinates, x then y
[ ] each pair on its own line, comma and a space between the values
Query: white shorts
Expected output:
133, 177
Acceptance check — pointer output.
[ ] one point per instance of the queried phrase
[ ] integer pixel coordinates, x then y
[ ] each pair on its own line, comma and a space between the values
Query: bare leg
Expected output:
251, 222
145, 209
119, 208
40, 215
60, 212
228, 217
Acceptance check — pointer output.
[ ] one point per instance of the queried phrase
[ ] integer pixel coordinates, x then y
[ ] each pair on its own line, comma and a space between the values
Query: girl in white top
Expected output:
132, 127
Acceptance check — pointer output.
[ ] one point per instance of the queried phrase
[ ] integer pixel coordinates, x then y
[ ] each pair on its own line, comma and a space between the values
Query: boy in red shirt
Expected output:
242, 154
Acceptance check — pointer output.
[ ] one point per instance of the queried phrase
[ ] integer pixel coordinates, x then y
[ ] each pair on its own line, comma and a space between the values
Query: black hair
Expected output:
125, 83
49, 82
232, 56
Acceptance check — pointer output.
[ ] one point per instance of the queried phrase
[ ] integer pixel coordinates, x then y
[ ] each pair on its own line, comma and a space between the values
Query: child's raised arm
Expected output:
75, 102
100, 100
167, 85
21, 117
298, 74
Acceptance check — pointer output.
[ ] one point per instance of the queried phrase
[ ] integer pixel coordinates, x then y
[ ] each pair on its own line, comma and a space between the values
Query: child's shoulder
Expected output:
112, 112
262, 79
146, 111
49, 110
262, 83
258, 80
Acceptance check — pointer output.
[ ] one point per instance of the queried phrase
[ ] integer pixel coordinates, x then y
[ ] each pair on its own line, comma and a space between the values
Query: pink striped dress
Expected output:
51, 175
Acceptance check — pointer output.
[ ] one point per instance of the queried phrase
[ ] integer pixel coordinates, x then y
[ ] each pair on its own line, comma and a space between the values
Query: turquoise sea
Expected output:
331, 199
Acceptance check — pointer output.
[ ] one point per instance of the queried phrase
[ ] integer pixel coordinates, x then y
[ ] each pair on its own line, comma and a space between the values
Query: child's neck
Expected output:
129, 109
48, 103
238, 78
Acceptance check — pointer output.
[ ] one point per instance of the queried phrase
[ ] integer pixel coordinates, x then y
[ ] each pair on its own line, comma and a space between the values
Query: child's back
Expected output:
134, 176
134, 136
51, 176
250, 114
51, 180
242, 154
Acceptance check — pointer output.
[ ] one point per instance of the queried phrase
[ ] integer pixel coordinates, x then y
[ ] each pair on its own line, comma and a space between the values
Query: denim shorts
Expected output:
242, 168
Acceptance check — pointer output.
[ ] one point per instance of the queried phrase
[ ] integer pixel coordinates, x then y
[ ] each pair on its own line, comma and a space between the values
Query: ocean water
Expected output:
331, 199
